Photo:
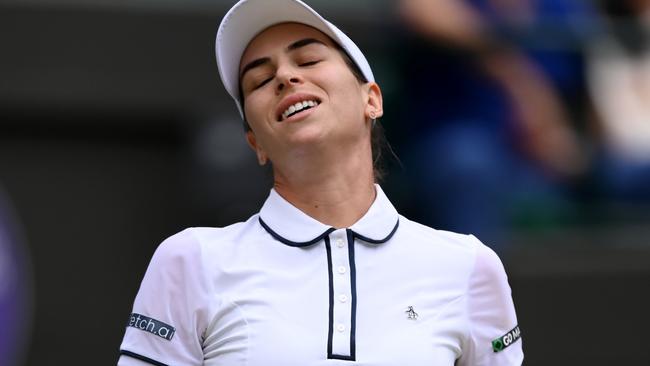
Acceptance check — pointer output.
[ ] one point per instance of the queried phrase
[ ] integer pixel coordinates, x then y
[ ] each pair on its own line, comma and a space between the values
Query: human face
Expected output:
291, 63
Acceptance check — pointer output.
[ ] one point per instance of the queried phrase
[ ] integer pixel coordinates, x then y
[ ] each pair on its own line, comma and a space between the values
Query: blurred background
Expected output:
524, 122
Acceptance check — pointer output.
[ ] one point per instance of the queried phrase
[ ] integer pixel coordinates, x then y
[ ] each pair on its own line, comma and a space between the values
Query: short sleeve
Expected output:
494, 337
172, 308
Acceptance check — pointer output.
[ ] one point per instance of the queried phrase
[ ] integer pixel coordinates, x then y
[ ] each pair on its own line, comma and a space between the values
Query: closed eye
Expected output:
309, 63
263, 83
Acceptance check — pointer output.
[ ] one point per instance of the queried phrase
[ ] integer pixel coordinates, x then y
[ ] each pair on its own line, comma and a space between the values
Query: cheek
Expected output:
255, 109
348, 98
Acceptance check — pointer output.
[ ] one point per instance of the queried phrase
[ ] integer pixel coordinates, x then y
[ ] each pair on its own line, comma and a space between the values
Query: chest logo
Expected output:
411, 313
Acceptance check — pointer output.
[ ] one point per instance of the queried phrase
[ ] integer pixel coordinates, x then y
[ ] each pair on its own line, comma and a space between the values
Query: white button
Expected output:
340, 328
342, 270
343, 298
340, 243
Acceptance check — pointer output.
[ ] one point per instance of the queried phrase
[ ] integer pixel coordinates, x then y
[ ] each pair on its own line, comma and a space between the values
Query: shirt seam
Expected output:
470, 324
213, 314
248, 334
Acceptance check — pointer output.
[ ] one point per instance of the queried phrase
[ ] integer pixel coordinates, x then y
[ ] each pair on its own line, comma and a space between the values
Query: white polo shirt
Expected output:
284, 289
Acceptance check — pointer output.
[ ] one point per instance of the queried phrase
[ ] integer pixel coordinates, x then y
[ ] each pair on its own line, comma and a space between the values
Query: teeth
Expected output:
298, 107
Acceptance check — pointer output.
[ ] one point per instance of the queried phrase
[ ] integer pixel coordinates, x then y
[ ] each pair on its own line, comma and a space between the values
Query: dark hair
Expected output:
378, 139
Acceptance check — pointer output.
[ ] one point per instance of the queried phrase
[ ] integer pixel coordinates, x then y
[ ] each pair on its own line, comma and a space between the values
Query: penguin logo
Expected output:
411, 313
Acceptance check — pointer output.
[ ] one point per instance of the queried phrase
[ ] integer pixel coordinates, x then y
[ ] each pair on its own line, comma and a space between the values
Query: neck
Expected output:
337, 191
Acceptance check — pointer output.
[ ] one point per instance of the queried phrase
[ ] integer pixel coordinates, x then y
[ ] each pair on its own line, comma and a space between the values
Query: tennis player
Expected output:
328, 272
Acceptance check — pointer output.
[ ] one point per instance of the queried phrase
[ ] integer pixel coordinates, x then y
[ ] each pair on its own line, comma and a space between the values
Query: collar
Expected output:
289, 225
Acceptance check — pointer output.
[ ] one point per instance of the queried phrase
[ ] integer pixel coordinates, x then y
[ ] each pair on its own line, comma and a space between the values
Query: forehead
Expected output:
277, 37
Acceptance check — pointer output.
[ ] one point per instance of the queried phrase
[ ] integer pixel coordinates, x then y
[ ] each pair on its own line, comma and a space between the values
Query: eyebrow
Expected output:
292, 47
253, 64
302, 43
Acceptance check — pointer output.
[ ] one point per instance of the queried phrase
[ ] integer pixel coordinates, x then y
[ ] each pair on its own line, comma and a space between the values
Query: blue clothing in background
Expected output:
460, 134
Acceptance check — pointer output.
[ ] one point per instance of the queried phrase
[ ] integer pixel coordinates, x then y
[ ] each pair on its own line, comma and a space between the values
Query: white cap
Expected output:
248, 18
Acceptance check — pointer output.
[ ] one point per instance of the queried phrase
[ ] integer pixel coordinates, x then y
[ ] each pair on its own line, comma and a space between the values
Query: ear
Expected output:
374, 103
252, 142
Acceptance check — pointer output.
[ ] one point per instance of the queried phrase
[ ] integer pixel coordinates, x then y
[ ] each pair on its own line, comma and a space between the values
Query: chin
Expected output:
307, 134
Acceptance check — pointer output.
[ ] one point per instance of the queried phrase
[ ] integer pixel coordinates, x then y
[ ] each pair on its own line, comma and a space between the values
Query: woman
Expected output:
328, 272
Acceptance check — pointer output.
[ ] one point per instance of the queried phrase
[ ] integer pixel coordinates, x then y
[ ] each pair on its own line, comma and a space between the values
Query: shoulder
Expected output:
188, 261
453, 253
221, 236
487, 264
482, 265
425, 237
194, 245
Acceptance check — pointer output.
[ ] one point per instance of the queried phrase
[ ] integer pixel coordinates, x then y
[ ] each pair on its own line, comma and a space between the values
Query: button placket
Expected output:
341, 291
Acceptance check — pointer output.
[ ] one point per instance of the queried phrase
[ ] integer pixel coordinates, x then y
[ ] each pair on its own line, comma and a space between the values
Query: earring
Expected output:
373, 115
261, 159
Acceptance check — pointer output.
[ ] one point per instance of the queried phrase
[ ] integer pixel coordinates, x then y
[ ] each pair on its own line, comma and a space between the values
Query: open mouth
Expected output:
297, 108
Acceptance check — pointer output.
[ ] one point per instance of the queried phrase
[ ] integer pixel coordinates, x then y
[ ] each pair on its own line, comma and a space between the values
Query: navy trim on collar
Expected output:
375, 241
295, 243
288, 242
291, 226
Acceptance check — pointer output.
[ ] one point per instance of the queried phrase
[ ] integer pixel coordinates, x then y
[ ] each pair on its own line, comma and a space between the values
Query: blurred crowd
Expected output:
524, 113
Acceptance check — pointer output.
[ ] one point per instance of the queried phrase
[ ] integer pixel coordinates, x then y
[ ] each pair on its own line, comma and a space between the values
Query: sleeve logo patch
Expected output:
152, 326
506, 340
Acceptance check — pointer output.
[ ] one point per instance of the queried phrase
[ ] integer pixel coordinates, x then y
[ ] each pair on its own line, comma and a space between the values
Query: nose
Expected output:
286, 77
